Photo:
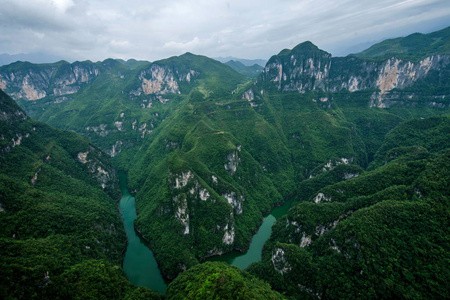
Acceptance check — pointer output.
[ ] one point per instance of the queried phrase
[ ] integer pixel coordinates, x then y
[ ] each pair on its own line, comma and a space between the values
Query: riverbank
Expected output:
139, 262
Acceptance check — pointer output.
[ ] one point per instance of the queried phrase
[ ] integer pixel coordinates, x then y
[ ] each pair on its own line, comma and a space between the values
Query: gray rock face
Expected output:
302, 69
160, 80
33, 82
104, 173
307, 68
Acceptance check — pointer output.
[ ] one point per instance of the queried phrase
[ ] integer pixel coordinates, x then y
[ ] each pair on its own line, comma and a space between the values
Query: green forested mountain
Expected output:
115, 104
361, 144
414, 47
57, 213
382, 234
219, 281
245, 62
253, 148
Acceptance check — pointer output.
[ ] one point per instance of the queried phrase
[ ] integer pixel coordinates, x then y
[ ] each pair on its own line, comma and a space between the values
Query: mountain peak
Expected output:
308, 46
303, 48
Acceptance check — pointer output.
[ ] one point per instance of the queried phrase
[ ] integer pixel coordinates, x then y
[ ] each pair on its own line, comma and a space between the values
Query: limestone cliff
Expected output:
303, 68
160, 79
307, 68
32, 82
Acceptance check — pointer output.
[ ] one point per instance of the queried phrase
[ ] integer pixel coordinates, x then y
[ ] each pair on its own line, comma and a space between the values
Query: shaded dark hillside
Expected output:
209, 152
219, 281
381, 233
60, 227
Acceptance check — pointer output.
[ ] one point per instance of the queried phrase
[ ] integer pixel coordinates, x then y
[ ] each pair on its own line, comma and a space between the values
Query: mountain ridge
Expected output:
244, 61
415, 47
310, 69
57, 211
209, 151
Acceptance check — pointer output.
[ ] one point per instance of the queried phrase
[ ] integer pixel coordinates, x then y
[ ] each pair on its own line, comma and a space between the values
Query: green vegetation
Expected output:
250, 71
191, 146
218, 281
276, 144
414, 47
207, 164
383, 234
112, 110
57, 222
208, 153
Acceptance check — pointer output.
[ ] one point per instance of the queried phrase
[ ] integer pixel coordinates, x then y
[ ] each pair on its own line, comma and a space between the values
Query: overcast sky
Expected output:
152, 30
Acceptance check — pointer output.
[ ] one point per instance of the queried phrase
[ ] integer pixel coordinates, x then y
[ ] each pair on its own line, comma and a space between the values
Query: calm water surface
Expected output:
254, 253
139, 263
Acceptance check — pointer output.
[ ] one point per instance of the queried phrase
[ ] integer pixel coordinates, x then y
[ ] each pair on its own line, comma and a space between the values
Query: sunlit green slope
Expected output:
415, 47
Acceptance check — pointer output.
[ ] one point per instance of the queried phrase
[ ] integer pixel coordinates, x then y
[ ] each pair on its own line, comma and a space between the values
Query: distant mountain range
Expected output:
251, 71
359, 142
245, 62
37, 58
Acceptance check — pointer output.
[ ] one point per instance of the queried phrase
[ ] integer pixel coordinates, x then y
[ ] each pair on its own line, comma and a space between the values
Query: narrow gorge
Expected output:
341, 162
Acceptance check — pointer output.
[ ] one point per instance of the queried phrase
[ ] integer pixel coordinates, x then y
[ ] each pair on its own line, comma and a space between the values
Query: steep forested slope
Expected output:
115, 104
60, 227
219, 281
251, 71
208, 152
382, 233
253, 147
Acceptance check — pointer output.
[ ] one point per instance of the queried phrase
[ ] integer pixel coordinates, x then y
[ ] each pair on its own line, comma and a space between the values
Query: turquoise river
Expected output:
140, 265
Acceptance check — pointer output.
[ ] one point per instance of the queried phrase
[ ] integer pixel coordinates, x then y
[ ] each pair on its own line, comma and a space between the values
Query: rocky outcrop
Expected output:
280, 262
303, 234
395, 73
182, 212
188, 190
307, 68
330, 165
233, 161
32, 82
116, 148
159, 79
304, 68
228, 237
235, 201
102, 172
100, 129
69, 79
321, 197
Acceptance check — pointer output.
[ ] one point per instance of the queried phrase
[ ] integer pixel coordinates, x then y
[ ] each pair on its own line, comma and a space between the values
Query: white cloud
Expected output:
61, 5
121, 46
149, 29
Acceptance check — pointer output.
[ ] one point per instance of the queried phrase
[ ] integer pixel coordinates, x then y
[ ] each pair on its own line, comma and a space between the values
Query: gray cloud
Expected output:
151, 30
